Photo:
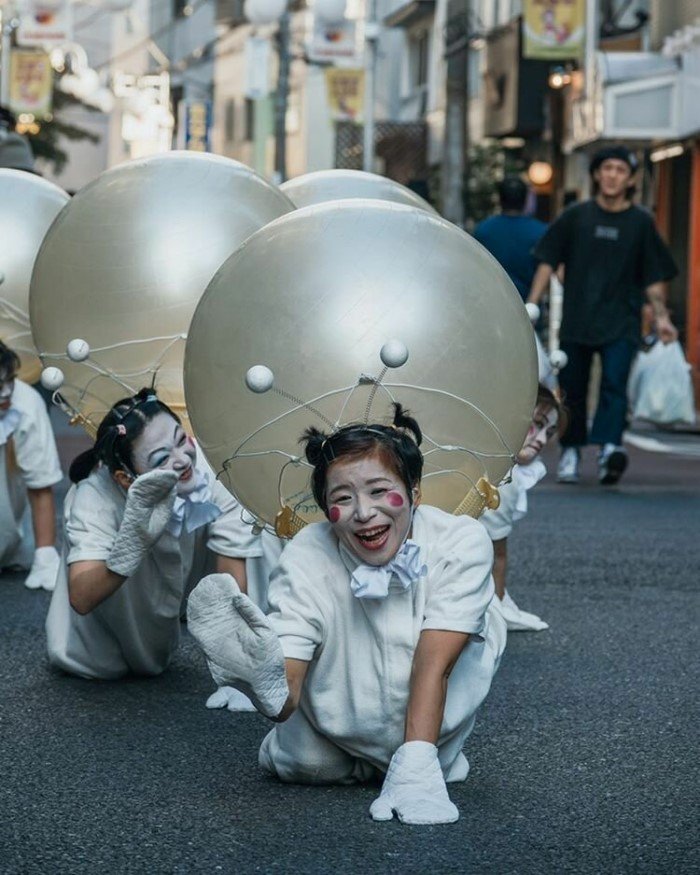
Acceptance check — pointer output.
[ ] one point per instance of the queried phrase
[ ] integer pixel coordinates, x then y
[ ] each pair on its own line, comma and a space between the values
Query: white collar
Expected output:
194, 510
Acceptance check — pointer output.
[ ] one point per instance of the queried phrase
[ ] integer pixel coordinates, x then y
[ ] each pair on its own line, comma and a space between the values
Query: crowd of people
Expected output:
371, 638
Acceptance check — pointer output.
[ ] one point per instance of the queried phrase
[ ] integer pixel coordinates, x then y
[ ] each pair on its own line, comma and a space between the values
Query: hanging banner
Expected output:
45, 24
333, 42
346, 90
198, 121
31, 83
554, 29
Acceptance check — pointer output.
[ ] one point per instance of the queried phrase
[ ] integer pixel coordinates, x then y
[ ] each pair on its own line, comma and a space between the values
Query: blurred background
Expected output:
444, 96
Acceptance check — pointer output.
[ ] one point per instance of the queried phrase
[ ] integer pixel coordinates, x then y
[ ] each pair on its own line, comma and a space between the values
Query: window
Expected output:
230, 120
419, 59
249, 132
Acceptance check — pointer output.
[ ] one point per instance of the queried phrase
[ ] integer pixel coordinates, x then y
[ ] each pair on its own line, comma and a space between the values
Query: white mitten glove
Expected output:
42, 574
149, 503
231, 698
241, 648
414, 788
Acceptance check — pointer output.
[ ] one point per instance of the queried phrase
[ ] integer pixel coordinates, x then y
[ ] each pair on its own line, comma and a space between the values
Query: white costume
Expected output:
28, 460
137, 628
499, 524
351, 715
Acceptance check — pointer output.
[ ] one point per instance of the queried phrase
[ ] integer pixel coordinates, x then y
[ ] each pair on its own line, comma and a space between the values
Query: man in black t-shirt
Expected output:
614, 260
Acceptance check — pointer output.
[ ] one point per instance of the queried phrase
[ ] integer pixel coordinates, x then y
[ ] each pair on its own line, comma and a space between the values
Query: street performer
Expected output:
383, 638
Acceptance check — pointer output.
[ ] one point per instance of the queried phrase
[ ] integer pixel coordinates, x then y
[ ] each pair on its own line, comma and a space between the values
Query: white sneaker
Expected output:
612, 462
567, 470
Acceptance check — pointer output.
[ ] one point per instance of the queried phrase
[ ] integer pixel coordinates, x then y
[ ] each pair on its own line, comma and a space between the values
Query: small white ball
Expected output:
52, 378
259, 378
558, 359
78, 350
533, 311
394, 353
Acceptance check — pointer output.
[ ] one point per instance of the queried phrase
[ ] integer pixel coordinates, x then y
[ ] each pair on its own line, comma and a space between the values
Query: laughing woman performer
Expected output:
138, 523
382, 640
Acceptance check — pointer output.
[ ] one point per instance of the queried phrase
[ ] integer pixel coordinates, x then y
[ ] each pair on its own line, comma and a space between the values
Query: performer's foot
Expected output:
518, 620
567, 470
612, 462
231, 698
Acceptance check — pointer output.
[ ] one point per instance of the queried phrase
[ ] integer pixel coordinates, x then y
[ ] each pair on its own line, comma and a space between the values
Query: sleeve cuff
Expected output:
233, 552
86, 556
295, 647
474, 629
43, 482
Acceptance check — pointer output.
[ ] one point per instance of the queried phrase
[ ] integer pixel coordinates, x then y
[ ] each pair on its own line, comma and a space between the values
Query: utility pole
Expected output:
456, 121
282, 96
371, 39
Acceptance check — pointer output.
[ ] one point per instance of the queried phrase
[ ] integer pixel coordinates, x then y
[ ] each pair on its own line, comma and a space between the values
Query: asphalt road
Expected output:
583, 759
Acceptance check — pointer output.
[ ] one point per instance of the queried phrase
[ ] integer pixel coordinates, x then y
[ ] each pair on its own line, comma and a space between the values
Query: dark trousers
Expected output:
611, 415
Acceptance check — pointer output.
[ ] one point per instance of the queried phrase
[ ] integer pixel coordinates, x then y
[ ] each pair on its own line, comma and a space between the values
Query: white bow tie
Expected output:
8, 423
194, 510
372, 581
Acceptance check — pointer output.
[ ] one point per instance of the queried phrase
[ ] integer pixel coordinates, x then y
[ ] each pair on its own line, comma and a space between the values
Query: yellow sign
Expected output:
31, 83
554, 29
346, 91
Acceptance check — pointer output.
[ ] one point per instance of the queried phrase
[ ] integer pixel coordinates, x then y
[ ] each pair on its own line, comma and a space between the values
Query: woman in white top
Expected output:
140, 522
381, 642
528, 471
29, 469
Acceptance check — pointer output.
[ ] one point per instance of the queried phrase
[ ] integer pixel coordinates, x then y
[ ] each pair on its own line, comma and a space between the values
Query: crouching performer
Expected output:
382, 640
140, 522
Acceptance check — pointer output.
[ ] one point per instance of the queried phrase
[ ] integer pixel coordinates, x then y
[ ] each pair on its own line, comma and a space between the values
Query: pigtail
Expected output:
314, 441
83, 465
404, 420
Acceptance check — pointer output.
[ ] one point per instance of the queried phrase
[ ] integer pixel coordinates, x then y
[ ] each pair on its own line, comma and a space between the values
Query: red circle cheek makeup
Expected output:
394, 499
334, 514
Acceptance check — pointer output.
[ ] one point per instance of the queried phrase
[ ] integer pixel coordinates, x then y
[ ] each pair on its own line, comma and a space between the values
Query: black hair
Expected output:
547, 398
119, 429
512, 193
619, 153
396, 444
9, 362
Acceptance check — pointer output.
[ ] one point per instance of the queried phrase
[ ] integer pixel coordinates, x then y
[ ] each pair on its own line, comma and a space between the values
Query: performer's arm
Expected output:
296, 673
43, 516
90, 582
435, 657
540, 282
656, 295
235, 567
500, 564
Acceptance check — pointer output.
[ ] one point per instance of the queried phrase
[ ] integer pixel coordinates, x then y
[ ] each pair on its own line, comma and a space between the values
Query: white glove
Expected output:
414, 788
42, 574
231, 698
241, 648
149, 503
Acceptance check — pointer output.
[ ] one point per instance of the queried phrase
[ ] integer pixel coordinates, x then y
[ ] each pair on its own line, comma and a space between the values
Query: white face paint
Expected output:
543, 426
7, 387
368, 508
164, 444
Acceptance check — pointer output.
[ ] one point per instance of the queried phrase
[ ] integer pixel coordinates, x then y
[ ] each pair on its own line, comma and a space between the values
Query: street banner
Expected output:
31, 83
198, 123
334, 42
45, 23
257, 67
554, 29
346, 90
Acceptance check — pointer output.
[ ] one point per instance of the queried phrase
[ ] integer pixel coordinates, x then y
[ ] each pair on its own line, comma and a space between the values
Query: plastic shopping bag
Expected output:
660, 388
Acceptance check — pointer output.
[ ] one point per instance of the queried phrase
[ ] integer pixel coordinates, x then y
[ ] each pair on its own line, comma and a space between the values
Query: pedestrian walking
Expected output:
140, 522
29, 469
528, 471
382, 640
613, 260
511, 236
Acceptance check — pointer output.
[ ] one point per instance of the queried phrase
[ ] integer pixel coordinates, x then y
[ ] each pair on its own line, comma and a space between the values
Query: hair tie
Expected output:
121, 429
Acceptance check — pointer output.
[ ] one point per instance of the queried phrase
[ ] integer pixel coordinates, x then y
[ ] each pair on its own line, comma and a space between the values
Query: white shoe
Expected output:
231, 698
567, 470
612, 462
517, 620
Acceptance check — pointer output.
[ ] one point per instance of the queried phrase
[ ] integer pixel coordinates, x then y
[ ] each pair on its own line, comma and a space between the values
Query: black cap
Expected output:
620, 153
